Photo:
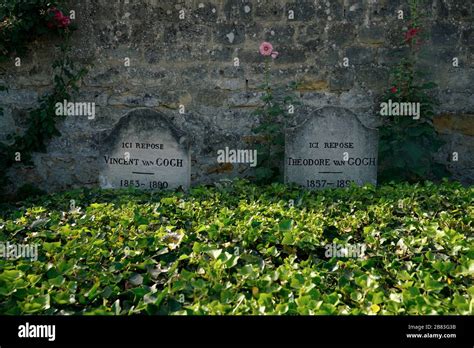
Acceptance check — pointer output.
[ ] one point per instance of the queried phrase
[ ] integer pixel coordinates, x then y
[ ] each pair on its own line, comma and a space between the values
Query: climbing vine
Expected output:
273, 114
407, 144
20, 21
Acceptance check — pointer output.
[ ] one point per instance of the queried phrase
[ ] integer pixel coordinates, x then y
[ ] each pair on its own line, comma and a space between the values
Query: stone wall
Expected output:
190, 61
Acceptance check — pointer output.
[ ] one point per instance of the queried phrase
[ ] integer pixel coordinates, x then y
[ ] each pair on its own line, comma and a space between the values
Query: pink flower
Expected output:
394, 89
266, 49
58, 19
274, 54
411, 34
58, 15
65, 21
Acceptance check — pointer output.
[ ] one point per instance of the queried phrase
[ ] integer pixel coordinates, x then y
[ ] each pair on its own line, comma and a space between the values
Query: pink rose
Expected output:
58, 15
274, 54
411, 34
266, 49
59, 20
65, 21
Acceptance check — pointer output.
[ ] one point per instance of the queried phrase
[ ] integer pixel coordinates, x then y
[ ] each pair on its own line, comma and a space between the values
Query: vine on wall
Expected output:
407, 144
20, 23
273, 114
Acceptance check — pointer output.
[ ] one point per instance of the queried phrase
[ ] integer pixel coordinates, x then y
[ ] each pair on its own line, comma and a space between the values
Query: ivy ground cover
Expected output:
238, 249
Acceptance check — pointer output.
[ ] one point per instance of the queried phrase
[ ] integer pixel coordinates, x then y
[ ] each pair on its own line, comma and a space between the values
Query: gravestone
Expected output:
331, 149
145, 151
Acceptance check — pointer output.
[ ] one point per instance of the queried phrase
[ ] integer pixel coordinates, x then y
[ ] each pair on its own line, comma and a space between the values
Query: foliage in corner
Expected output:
23, 21
407, 146
272, 114
19, 21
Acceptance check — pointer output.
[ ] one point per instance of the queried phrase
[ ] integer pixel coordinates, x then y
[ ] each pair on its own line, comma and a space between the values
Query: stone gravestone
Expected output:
145, 151
331, 149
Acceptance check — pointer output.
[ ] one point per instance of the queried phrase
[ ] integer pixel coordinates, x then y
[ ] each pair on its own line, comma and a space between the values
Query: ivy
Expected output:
242, 249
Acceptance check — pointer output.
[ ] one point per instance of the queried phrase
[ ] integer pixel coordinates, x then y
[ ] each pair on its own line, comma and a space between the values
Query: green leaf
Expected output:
136, 279
58, 281
10, 276
285, 225
431, 284
37, 304
375, 308
116, 309
230, 260
214, 253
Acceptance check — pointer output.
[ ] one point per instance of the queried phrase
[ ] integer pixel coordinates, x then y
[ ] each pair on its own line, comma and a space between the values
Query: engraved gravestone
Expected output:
331, 149
145, 151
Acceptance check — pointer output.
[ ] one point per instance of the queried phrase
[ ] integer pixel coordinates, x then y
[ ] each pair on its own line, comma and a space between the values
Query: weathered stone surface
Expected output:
18, 97
341, 33
269, 10
354, 11
342, 79
20, 117
449, 123
454, 101
444, 34
372, 35
373, 78
291, 55
238, 10
280, 34
360, 55
206, 12
190, 61
312, 85
331, 148
303, 10
211, 97
467, 37
230, 34
458, 155
145, 151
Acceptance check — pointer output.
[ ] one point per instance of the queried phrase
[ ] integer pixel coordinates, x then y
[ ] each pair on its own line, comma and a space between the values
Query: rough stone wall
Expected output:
190, 61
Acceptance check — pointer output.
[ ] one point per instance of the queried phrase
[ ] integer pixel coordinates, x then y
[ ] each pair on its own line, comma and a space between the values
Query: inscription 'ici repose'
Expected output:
127, 160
